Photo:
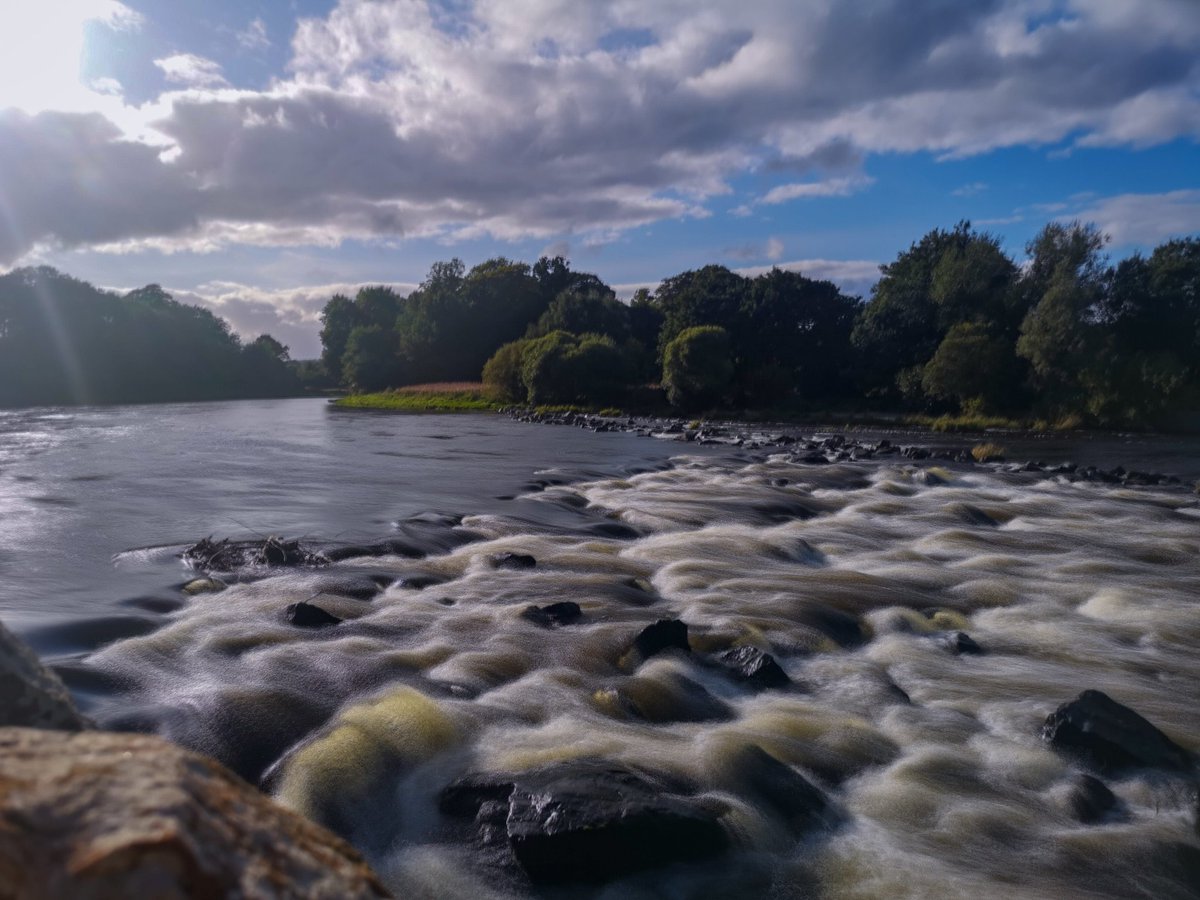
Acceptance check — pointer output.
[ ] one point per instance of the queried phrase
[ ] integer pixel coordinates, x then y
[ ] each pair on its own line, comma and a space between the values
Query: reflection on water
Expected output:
856, 577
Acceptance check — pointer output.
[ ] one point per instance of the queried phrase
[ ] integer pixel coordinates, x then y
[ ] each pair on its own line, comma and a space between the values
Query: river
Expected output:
854, 576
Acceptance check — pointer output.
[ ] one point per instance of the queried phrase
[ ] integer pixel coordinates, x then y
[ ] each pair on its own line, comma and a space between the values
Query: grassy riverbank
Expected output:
456, 396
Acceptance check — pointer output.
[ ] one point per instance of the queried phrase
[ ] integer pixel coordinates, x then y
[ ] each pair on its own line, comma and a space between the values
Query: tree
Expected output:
338, 319
582, 310
972, 367
370, 362
502, 372
697, 367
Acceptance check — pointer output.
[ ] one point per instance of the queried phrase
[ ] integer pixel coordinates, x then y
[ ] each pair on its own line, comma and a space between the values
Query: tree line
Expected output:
63, 341
954, 324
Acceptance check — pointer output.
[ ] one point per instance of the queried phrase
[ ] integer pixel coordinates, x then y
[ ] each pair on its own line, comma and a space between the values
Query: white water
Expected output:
1066, 586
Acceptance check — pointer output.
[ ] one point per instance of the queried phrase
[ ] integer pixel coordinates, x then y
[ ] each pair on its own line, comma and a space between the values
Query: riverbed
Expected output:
855, 576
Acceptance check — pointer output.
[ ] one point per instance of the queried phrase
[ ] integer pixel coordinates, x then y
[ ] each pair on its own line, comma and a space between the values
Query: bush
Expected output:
568, 368
502, 373
697, 367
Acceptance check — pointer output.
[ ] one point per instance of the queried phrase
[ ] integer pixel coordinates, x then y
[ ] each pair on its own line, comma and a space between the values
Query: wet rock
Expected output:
420, 582
752, 667
664, 698
30, 694
563, 613
120, 815
961, 643
588, 820
840, 627
1111, 737
1090, 799
513, 561
665, 634
309, 615
777, 787
357, 587
203, 586
392, 547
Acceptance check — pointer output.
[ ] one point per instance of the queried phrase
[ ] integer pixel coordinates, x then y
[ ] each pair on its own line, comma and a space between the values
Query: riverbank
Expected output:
442, 397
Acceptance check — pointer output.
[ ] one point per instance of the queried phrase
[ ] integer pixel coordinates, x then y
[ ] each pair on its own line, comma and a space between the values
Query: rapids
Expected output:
855, 576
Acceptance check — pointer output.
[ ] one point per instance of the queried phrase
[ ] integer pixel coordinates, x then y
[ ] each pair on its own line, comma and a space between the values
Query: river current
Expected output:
854, 576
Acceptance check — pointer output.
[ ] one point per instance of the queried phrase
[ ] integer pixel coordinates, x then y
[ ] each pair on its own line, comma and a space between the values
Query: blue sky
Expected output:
256, 156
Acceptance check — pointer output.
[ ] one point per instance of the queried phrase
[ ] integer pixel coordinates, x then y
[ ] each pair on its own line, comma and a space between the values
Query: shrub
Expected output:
502, 373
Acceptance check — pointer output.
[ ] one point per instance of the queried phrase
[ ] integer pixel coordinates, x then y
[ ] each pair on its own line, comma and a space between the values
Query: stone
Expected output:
588, 820
513, 561
563, 613
309, 615
1111, 737
203, 586
752, 667
1090, 799
665, 634
30, 694
780, 789
103, 816
961, 643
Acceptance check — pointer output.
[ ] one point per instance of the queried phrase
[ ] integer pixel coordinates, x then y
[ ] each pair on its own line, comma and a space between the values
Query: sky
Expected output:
256, 157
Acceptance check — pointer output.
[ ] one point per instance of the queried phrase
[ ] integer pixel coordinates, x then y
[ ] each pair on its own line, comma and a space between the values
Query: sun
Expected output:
41, 47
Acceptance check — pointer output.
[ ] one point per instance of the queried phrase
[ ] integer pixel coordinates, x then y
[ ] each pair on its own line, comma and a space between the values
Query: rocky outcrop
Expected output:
30, 694
1111, 737
587, 820
96, 815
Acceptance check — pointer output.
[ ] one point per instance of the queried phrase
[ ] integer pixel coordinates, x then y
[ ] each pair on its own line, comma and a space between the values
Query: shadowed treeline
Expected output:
63, 341
954, 325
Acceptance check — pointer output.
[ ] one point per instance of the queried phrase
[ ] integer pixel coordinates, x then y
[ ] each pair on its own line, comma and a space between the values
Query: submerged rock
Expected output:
309, 615
665, 634
122, 815
30, 694
563, 613
587, 820
513, 561
962, 643
1090, 799
780, 789
225, 555
1111, 737
754, 668
203, 586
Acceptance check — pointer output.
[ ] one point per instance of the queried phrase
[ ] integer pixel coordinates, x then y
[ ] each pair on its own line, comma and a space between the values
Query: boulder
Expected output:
563, 613
31, 695
1111, 737
101, 815
665, 634
752, 667
588, 820
309, 615
961, 643
513, 561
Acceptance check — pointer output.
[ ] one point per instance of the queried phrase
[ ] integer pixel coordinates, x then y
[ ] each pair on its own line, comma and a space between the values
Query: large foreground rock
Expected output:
1111, 737
96, 815
30, 694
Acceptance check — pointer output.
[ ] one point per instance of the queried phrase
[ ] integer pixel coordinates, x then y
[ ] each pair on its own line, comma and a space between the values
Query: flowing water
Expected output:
854, 576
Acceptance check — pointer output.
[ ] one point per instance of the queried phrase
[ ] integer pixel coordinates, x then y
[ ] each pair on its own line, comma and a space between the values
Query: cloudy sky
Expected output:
256, 156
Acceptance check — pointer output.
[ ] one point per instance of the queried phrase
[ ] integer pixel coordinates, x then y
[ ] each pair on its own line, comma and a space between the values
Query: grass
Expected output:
988, 452
446, 396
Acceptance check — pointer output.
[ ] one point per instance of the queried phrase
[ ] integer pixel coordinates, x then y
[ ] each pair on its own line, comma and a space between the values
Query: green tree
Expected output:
697, 367
370, 362
973, 368
502, 372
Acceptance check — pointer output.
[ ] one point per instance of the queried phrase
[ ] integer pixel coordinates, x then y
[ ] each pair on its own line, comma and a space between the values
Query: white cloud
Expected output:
774, 249
192, 71
521, 119
254, 36
1143, 220
973, 189
833, 187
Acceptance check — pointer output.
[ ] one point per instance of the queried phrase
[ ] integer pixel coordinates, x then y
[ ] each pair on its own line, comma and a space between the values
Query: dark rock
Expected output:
840, 627
1111, 737
779, 788
309, 615
588, 820
1090, 799
814, 459
420, 582
392, 547
513, 561
751, 666
563, 613
962, 643
616, 530
31, 695
225, 556
665, 634
666, 698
